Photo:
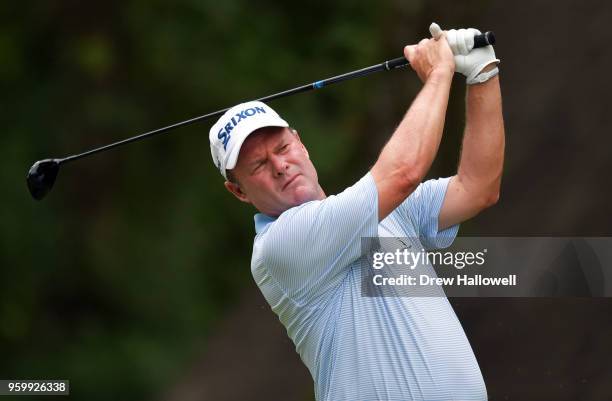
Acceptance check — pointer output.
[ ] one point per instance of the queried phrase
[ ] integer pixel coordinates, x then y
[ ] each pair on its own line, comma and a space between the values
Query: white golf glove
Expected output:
469, 61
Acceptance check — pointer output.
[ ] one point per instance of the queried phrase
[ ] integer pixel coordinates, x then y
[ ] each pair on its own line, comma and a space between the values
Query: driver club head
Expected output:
41, 177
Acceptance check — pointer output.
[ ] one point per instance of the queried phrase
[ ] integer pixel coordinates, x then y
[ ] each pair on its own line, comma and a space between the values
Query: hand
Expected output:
471, 62
430, 55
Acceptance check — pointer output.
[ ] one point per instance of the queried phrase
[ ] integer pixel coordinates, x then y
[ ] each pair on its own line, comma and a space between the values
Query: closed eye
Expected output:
258, 165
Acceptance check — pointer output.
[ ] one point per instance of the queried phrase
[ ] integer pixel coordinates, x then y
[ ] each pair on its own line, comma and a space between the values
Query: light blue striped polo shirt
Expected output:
357, 348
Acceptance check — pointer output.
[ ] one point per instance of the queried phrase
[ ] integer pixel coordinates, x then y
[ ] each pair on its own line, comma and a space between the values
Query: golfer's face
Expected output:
275, 172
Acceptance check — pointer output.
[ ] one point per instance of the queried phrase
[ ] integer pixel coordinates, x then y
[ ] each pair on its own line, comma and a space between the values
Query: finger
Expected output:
462, 38
470, 40
435, 30
423, 42
409, 52
451, 37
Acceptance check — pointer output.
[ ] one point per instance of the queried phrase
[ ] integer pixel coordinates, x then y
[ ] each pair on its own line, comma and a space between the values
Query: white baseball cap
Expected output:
229, 132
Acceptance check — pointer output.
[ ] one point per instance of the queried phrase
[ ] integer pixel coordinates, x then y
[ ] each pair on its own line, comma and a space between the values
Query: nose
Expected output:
279, 165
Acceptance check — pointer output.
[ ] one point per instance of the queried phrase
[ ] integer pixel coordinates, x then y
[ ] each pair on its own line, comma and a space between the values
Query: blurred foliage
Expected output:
114, 278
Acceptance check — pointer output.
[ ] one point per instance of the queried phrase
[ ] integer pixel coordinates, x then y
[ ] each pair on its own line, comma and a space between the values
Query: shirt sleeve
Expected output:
423, 207
308, 249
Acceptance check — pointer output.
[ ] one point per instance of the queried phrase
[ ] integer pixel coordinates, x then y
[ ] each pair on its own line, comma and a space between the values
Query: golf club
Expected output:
42, 174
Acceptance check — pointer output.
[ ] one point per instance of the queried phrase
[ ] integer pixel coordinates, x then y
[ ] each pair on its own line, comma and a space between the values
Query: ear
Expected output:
236, 191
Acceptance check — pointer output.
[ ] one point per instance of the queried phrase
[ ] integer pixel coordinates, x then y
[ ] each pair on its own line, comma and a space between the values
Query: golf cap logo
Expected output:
228, 134
224, 133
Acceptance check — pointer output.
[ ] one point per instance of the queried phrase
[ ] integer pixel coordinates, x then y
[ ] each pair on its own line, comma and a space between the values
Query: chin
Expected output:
304, 194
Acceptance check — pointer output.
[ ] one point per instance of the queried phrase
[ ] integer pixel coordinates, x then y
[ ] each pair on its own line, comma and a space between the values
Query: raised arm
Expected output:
406, 158
477, 182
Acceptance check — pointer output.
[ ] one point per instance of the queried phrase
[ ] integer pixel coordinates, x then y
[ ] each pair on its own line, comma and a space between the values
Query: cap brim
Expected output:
232, 156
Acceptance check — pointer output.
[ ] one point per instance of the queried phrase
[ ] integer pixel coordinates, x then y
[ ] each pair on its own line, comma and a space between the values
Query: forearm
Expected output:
415, 142
407, 156
482, 155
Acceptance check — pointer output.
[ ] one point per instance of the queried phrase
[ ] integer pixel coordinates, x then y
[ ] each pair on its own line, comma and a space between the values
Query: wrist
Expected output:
482, 70
442, 72
489, 67
483, 76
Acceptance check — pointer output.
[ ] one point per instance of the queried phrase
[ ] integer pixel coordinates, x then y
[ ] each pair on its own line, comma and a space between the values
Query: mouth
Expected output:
290, 181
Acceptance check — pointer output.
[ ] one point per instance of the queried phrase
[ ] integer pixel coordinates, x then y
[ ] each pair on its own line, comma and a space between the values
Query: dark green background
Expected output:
131, 279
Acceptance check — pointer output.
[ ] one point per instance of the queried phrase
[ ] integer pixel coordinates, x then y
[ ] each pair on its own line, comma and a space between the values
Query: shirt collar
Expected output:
262, 221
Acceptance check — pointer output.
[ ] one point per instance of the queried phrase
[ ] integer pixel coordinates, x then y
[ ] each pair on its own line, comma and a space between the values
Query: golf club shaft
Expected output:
387, 65
482, 40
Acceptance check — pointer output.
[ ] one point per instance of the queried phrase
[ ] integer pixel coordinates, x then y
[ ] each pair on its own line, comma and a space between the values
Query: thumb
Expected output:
435, 30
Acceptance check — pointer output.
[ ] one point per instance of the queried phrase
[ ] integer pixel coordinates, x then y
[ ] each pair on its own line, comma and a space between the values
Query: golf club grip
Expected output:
481, 40
484, 39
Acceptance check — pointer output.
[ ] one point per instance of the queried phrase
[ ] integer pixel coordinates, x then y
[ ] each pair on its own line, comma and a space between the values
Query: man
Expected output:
307, 249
